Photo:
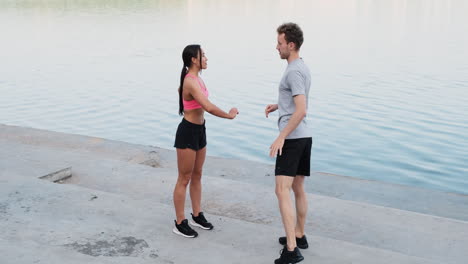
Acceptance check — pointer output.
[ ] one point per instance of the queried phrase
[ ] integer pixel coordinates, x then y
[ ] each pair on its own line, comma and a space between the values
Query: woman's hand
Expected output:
233, 113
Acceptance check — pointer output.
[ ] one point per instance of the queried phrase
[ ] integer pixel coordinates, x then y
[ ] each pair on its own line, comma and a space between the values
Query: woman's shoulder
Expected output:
190, 82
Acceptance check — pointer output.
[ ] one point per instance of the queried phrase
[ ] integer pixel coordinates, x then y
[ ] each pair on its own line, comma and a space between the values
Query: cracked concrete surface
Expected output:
117, 208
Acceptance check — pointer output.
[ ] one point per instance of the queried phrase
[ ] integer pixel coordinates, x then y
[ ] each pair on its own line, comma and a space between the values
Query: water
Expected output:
390, 78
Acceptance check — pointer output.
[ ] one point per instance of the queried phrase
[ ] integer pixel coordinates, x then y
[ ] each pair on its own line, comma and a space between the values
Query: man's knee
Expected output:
298, 184
298, 188
281, 190
283, 185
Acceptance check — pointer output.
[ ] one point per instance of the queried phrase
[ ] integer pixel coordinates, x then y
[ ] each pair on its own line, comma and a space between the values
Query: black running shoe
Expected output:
301, 242
200, 221
184, 229
289, 257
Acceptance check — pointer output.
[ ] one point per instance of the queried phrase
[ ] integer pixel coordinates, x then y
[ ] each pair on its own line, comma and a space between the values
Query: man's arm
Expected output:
270, 108
294, 121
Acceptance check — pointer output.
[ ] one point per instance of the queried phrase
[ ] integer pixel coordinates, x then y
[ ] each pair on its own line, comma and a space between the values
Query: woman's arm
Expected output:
194, 89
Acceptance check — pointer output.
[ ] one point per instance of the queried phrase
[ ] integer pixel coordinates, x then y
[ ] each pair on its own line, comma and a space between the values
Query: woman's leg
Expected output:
185, 164
195, 182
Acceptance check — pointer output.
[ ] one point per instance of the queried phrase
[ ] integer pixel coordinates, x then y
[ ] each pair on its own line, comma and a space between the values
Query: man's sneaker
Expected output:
200, 221
184, 229
288, 257
301, 242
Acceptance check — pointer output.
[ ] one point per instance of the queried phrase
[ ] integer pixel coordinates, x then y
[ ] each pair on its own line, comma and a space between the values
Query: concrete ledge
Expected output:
58, 176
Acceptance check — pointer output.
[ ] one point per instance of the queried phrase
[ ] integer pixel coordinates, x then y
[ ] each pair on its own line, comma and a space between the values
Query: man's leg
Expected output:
301, 204
283, 192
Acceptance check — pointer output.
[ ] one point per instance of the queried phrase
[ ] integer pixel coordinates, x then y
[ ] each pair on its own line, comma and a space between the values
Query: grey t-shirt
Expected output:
296, 80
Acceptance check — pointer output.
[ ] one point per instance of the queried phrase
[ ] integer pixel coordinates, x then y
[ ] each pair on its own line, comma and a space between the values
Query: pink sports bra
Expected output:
193, 104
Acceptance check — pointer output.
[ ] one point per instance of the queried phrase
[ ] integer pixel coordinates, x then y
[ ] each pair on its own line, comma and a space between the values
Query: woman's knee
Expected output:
196, 174
184, 179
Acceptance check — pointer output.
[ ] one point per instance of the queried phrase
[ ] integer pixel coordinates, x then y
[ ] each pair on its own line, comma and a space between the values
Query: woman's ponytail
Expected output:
191, 51
181, 89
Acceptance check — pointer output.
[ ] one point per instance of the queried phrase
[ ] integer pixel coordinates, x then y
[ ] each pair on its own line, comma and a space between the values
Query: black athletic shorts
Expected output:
295, 158
190, 135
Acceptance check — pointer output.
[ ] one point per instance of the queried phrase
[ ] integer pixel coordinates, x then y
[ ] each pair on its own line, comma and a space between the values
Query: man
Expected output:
293, 145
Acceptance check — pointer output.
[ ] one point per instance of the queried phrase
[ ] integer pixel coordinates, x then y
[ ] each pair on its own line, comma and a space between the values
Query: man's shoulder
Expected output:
299, 68
297, 73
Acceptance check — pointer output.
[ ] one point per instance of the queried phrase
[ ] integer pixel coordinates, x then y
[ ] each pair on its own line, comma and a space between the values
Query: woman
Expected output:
190, 140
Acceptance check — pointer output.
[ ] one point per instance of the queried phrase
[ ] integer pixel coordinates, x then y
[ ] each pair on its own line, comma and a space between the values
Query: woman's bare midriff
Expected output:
196, 116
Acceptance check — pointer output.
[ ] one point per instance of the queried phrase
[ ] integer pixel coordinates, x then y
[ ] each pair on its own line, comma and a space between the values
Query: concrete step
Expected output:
448, 205
54, 147
405, 232
43, 222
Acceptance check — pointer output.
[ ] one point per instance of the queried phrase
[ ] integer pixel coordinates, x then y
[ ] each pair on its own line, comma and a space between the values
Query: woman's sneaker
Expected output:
184, 229
300, 241
288, 257
200, 221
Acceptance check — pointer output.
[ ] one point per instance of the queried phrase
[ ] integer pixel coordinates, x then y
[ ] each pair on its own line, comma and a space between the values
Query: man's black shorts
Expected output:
295, 158
190, 135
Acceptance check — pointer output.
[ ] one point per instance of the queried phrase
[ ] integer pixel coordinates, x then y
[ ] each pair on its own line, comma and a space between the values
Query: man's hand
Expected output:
276, 147
270, 108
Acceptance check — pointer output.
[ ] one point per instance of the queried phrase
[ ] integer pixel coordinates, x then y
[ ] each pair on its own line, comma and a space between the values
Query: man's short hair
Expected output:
292, 33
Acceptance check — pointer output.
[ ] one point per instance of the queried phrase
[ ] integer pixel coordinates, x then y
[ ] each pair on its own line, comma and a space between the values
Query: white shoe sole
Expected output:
176, 231
192, 223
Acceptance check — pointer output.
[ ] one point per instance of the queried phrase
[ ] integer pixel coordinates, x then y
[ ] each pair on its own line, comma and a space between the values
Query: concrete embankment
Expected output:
117, 208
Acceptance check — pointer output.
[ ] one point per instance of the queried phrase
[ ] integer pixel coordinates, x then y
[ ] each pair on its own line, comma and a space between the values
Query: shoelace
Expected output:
281, 252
